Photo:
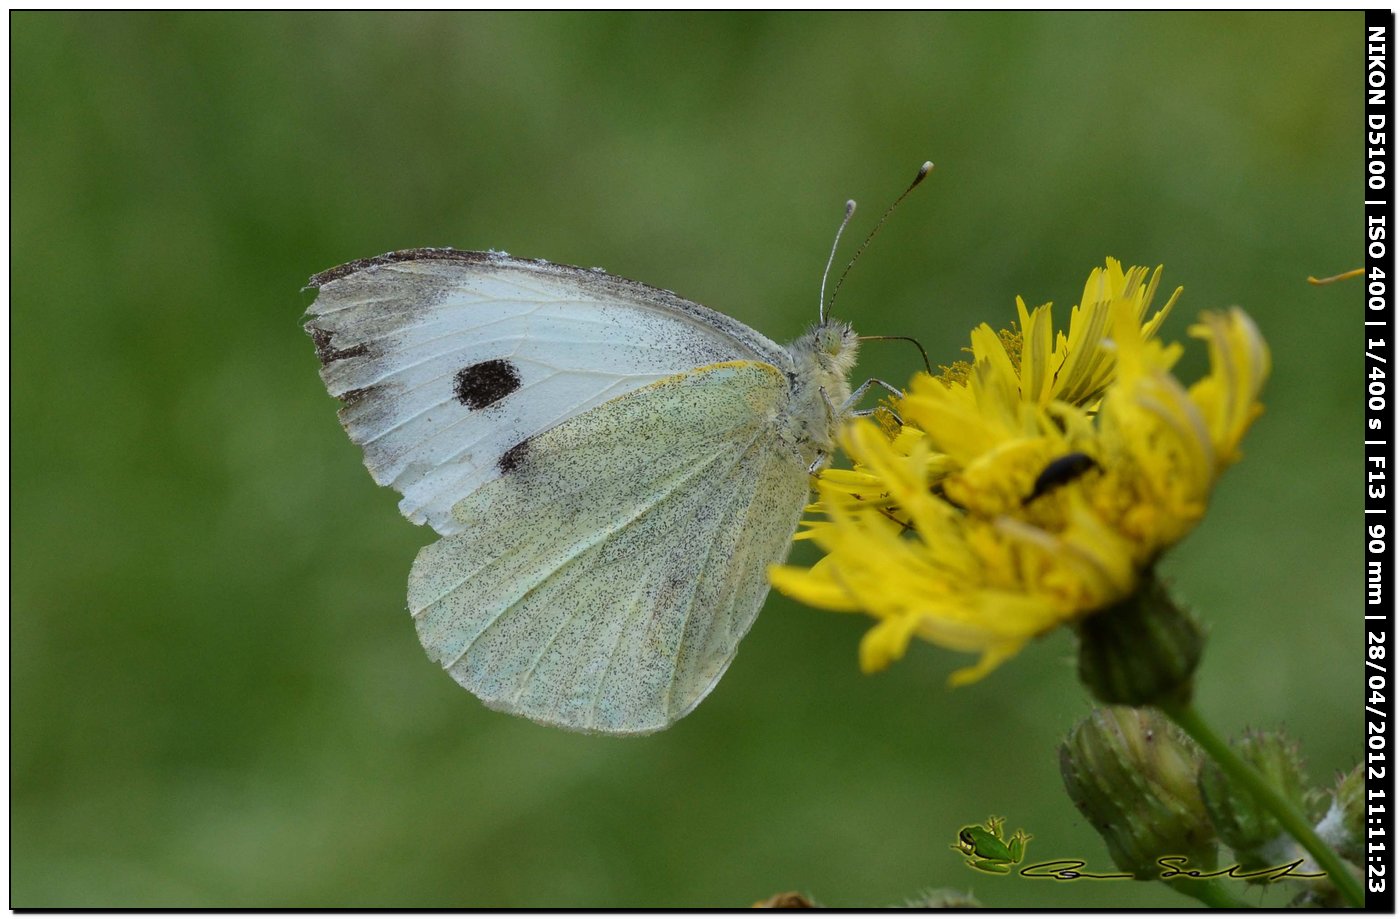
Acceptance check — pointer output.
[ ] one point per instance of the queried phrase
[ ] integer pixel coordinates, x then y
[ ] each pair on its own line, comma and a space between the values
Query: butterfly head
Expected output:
831, 346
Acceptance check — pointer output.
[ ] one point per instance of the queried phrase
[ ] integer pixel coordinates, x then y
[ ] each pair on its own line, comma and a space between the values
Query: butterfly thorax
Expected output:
822, 362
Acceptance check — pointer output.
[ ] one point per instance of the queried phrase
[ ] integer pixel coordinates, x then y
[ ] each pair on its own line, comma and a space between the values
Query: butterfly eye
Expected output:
831, 339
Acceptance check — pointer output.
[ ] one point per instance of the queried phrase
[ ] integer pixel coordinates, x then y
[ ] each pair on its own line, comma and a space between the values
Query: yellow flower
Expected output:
1035, 485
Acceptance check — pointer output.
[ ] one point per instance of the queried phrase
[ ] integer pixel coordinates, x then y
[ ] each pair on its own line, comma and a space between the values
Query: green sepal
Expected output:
1142, 651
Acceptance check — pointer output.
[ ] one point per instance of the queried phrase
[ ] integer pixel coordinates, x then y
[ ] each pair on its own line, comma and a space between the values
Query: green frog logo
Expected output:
987, 848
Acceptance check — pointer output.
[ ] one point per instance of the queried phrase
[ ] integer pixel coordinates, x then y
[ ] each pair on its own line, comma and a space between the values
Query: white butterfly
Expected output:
612, 469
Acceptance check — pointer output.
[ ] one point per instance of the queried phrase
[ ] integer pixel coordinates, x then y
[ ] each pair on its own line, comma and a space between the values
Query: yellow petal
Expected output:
811, 588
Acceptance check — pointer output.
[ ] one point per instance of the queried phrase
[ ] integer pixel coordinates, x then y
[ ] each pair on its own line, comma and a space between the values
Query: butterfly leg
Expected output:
832, 413
859, 392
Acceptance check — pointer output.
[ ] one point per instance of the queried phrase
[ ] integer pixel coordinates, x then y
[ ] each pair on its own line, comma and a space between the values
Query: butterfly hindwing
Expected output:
446, 362
604, 581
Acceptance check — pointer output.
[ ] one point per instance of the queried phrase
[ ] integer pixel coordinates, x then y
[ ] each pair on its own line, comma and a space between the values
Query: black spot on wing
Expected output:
328, 352
485, 383
514, 456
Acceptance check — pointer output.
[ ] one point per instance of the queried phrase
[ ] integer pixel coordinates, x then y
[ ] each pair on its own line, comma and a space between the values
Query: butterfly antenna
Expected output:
922, 353
821, 305
924, 170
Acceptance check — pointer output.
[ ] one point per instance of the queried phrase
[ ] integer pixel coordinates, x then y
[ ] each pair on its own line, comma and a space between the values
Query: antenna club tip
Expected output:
924, 170
850, 208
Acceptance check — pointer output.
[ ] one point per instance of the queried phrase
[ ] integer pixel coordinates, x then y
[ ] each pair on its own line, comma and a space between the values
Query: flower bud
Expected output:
1132, 774
1142, 651
1245, 825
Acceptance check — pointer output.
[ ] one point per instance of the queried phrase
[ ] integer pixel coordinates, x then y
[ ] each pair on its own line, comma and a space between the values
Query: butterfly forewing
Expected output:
446, 362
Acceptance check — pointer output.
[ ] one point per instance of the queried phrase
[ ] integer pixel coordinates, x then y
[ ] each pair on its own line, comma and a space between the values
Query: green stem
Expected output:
1287, 815
1211, 893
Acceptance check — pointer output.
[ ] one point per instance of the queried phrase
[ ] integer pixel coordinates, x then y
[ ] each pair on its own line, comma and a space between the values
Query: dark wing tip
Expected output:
402, 255
327, 352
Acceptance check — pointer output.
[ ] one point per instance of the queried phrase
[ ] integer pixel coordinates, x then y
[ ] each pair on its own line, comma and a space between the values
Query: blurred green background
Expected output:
217, 696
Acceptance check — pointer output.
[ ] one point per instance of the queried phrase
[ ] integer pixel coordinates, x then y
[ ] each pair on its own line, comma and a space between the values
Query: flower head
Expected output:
1034, 485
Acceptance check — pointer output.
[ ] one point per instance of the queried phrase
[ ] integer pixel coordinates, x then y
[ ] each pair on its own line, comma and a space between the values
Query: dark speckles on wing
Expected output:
514, 456
352, 397
328, 352
485, 383
405, 255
